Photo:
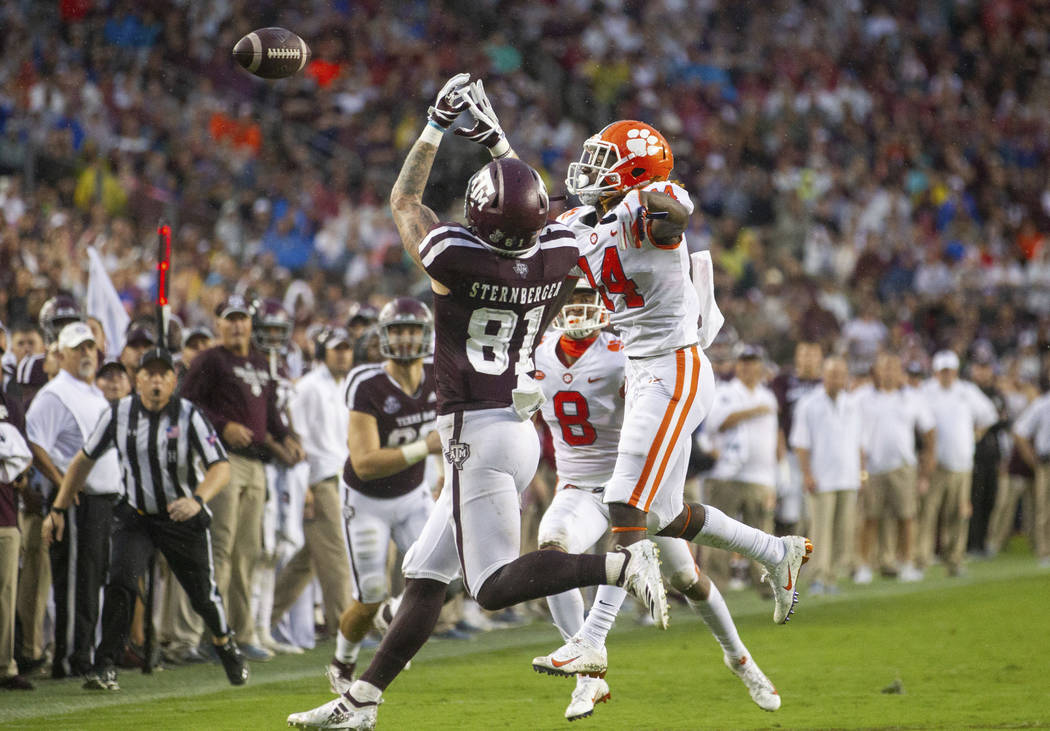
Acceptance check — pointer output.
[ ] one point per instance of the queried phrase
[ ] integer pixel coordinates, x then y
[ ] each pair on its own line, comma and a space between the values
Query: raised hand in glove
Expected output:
449, 103
486, 130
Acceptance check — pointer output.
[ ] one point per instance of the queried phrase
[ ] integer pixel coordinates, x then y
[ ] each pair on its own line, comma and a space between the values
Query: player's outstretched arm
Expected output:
665, 230
413, 219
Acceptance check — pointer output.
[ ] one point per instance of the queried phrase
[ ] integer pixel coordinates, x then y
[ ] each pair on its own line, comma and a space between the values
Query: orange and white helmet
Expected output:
621, 156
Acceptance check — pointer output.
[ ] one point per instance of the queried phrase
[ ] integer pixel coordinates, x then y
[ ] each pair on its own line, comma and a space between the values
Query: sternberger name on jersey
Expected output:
584, 408
400, 418
646, 287
488, 324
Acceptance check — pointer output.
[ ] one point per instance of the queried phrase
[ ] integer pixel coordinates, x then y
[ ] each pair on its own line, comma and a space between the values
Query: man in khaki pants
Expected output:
231, 384
321, 417
15, 461
962, 413
825, 435
1032, 437
743, 423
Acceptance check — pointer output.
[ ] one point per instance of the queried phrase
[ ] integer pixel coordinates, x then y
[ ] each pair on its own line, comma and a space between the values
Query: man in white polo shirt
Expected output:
320, 416
1032, 436
962, 413
890, 416
743, 420
60, 419
825, 435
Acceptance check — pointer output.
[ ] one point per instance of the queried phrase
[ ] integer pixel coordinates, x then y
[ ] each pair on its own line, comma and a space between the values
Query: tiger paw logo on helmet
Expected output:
643, 142
623, 155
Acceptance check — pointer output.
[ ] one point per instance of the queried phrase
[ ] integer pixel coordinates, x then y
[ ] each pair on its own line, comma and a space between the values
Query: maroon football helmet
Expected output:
403, 345
271, 325
58, 312
506, 206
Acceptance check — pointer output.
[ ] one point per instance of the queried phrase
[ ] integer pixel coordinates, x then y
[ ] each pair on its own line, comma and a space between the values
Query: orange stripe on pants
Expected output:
693, 390
654, 450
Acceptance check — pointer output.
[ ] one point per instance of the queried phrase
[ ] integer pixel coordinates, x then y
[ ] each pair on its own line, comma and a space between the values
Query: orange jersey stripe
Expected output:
694, 388
654, 449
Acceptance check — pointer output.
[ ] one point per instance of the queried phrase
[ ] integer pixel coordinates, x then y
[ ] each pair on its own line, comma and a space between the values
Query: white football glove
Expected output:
486, 130
449, 103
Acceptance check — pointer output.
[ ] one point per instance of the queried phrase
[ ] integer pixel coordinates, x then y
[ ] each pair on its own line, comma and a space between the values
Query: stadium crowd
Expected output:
871, 179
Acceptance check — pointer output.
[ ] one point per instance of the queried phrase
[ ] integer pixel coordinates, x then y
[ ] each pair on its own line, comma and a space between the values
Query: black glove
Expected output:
449, 103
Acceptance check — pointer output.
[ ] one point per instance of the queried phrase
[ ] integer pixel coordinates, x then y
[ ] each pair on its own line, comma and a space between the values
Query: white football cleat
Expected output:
589, 692
641, 578
575, 657
343, 712
783, 576
758, 685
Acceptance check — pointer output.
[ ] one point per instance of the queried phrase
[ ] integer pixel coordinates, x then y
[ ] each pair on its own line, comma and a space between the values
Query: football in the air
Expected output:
272, 53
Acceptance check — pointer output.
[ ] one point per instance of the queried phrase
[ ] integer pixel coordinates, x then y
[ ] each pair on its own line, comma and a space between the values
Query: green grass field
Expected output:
969, 653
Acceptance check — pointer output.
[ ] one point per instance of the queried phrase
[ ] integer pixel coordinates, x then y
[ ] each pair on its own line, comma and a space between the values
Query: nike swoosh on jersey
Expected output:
594, 380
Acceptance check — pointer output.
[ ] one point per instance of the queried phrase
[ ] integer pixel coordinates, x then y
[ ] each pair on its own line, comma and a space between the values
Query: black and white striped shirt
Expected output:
163, 454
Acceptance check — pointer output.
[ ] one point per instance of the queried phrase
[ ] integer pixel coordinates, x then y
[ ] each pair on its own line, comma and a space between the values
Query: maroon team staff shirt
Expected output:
228, 388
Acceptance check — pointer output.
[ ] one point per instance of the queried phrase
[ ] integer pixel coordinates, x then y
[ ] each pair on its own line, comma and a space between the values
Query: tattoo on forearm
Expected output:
412, 218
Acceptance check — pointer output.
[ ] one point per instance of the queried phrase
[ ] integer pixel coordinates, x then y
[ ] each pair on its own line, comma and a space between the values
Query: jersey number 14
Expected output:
614, 280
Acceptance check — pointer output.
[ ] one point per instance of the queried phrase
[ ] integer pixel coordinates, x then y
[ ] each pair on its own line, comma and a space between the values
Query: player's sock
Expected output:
345, 650
567, 612
413, 624
721, 531
364, 692
539, 574
602, 616
716, 616
614, 564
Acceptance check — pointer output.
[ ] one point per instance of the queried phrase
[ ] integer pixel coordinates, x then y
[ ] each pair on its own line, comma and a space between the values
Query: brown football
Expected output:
272, 53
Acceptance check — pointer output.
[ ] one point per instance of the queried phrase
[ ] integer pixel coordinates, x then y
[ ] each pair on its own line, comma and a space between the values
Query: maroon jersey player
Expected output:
497, 281
392, 409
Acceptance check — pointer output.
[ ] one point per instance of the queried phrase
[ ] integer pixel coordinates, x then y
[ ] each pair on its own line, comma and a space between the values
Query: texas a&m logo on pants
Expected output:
457, 453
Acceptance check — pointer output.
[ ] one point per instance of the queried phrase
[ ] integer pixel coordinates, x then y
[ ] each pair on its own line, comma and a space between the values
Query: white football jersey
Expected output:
584, 407
647, 288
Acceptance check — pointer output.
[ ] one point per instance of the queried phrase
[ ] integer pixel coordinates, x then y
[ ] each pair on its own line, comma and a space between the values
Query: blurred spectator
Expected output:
826, 437
962, 414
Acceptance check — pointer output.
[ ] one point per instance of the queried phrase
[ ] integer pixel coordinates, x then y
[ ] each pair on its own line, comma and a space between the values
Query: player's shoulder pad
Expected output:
673, 189
444, 235
556, 234
359, 375
576, 214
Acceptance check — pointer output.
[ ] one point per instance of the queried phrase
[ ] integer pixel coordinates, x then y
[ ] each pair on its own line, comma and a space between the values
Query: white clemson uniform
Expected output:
584, 410
654, 307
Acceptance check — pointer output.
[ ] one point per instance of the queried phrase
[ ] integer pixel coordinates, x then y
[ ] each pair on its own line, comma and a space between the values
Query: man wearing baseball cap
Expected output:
164, 507
58, 422
962, 413
231, 384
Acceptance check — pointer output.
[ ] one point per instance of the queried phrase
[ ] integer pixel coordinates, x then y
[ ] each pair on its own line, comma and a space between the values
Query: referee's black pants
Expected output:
187, 548
78, 568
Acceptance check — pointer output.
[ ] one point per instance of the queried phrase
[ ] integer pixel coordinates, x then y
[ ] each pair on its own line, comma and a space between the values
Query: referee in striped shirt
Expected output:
173, 463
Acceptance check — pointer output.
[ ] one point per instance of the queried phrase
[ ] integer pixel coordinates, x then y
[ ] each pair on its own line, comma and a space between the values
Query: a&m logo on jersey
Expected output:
521, 268
253, 378
391, 405
457, 453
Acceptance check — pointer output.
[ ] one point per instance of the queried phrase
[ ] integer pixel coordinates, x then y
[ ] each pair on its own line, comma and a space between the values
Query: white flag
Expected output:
104, 303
